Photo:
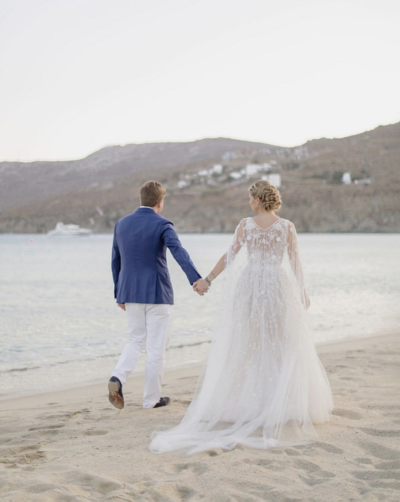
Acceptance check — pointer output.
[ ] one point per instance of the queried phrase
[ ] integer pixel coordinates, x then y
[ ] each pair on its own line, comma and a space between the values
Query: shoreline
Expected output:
97, 382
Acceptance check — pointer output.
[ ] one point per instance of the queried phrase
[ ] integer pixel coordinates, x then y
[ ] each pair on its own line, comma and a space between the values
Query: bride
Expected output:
263, 385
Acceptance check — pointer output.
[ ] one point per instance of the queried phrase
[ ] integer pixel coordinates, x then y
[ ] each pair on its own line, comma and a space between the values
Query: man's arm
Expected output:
115, 262
171, 240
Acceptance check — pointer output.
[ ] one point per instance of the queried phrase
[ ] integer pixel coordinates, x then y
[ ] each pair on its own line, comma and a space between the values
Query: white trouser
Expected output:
148, 332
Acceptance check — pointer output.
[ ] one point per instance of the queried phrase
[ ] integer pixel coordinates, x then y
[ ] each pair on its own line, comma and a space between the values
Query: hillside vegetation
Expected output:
96, 191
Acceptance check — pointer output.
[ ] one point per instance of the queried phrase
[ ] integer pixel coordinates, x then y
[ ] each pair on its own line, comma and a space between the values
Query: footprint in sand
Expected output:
166, 491
363, 460
329, 448
314, 474
73, 414
214, 453
95, 432
51, 416
380, 433
380, 451
25, 455
185, 493
92, 484
265, 463
374, 478
390, 465
195, 468
47, 430
352, 415
46, 427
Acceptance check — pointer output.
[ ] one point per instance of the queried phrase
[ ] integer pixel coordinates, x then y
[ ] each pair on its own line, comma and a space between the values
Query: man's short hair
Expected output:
151, 193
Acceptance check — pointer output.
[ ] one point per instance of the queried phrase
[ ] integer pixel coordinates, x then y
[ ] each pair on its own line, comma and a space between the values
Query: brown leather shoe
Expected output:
115, 395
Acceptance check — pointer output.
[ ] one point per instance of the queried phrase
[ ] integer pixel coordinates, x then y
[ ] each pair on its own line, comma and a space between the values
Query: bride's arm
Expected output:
219, 267
234, 248
202, 285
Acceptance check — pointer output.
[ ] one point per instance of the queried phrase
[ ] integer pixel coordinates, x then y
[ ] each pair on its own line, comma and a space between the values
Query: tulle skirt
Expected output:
263, 384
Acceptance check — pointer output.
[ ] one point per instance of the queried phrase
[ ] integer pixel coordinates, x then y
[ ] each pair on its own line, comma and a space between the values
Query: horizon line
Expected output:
195, 141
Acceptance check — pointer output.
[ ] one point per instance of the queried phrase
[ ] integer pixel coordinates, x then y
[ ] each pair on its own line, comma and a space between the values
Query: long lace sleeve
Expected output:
235, 246
237, 242
295, 263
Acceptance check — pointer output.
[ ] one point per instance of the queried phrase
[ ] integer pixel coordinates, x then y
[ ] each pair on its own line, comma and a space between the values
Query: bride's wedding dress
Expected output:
263, 384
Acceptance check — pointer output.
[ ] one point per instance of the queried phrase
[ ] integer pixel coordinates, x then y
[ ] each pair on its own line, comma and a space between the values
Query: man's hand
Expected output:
121, 306
201, 286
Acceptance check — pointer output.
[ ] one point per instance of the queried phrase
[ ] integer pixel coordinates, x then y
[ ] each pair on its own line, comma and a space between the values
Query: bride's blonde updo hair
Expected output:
268, 194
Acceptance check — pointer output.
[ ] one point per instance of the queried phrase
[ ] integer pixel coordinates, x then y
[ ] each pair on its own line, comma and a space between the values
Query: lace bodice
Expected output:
269, 242
266, 247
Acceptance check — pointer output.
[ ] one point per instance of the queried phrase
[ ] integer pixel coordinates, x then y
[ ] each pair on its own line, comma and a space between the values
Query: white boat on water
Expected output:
62, 230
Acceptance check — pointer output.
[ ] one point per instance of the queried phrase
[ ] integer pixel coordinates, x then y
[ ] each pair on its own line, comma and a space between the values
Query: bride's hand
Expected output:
201, 286
198, 291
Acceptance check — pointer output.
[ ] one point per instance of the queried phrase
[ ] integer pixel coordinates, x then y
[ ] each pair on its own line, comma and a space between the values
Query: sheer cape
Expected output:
263, 384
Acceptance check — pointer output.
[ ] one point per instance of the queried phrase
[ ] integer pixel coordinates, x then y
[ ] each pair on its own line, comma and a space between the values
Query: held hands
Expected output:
201, 286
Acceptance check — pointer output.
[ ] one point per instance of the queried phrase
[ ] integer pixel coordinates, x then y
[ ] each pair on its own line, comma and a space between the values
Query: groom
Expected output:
142, 287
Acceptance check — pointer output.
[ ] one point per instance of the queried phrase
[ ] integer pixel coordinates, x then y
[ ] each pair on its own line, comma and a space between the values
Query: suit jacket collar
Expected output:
145, 210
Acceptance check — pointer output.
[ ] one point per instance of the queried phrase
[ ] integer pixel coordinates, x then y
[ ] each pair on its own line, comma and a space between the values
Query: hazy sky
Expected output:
77, 75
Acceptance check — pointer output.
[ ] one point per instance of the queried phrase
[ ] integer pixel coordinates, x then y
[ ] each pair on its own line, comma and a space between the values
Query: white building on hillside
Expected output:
274, 179
183, 184
252, 169
217, 169
346, 178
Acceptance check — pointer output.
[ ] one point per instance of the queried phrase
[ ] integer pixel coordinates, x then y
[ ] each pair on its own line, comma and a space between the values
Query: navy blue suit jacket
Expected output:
139, 262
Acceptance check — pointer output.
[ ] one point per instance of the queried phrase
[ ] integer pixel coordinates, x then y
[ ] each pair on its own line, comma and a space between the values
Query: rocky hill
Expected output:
207, 183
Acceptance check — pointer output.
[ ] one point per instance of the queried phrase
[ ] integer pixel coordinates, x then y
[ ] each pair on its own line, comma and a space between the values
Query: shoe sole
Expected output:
113, 395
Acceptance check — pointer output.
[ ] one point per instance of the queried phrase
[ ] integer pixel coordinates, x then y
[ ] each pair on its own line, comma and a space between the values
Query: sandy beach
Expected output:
73, 445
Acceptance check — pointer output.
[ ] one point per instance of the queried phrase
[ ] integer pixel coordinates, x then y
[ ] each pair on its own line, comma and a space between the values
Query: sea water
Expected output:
60, 326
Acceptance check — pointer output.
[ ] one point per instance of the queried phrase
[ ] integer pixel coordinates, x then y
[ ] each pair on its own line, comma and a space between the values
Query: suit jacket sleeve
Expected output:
115, 262
171, 240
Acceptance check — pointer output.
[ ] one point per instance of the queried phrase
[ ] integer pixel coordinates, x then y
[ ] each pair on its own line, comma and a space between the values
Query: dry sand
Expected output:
73, 445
